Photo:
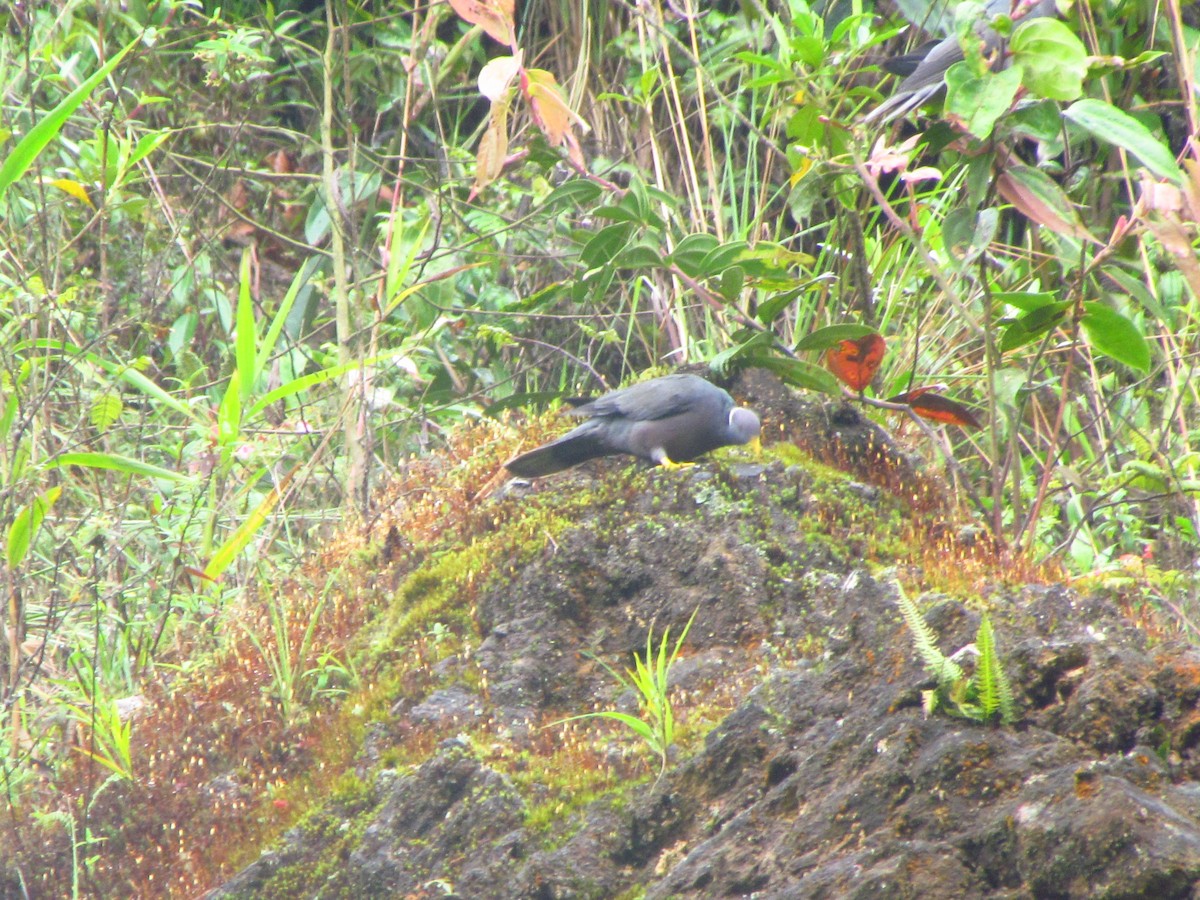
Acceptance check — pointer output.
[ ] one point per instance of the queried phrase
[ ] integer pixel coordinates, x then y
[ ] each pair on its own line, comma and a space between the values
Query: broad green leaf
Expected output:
767, 258
605, 245
746, 342
978, 101
146, 145
1033, 324
1026, 301
230, 411
28, 148
299, 280
733, 280
773, 306
25, 526
1052, 60
691, 252
831, 336
1113, 126
617, 214
1112, 334
721, 258
639, 256
578, 192
967, 233
800, 373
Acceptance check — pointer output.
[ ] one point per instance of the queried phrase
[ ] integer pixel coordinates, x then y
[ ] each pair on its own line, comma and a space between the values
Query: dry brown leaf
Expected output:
1035, 208
493, 149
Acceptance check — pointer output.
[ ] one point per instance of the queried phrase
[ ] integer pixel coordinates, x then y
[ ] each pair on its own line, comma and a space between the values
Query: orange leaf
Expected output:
550, 110
928, 405
493, 16
856, 362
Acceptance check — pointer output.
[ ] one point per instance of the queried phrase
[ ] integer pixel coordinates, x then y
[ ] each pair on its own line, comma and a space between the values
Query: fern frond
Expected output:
995, 693
939, 665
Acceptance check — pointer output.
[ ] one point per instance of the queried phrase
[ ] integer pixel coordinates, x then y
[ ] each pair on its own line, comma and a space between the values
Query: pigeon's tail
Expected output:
901, 104
572, 448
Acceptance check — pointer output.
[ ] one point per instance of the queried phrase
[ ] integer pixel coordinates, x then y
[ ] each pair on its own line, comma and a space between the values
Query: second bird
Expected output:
666, 420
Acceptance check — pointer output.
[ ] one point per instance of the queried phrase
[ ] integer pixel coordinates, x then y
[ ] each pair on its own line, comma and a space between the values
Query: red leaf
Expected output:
856, 362
928, 405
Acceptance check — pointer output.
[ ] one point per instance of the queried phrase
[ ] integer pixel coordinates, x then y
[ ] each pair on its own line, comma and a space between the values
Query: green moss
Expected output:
336, 828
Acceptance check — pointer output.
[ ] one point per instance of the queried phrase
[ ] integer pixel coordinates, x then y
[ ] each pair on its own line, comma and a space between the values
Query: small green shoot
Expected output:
649, 680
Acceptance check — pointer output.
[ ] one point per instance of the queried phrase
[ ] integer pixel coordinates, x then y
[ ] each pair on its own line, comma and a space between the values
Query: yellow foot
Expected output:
668, 464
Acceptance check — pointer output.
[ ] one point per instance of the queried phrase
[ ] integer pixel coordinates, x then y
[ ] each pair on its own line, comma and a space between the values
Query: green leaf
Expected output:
733, 280
1052, 60
229, 551
799, 373
28, 148
1113, 126
691, 252
1115, 336
579, 192
1026, 301
639, 256
967, 233
605, 245
114, 462
721, 258
1033, 324
246, 336
106, 409
618, 214
773, 306
1039, 199
831, 336
747, 342
980, 100
25, 526
995, 692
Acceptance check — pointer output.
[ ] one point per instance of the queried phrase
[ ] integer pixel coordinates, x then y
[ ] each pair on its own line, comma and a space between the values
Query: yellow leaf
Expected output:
74, 188
550, 110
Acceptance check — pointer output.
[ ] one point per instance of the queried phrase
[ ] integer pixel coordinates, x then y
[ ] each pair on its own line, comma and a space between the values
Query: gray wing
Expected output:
659, 398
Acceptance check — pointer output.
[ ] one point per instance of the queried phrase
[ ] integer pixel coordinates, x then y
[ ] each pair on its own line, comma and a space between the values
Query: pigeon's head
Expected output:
744, 426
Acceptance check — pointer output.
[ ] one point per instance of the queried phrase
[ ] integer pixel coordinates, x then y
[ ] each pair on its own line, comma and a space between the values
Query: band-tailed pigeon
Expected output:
666, 420
926, 76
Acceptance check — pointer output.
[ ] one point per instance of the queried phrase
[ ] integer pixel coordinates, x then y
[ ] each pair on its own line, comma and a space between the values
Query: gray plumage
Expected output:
928, 75
666, 420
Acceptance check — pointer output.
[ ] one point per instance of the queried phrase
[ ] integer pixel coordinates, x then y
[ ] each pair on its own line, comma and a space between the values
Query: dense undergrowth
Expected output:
258, 261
